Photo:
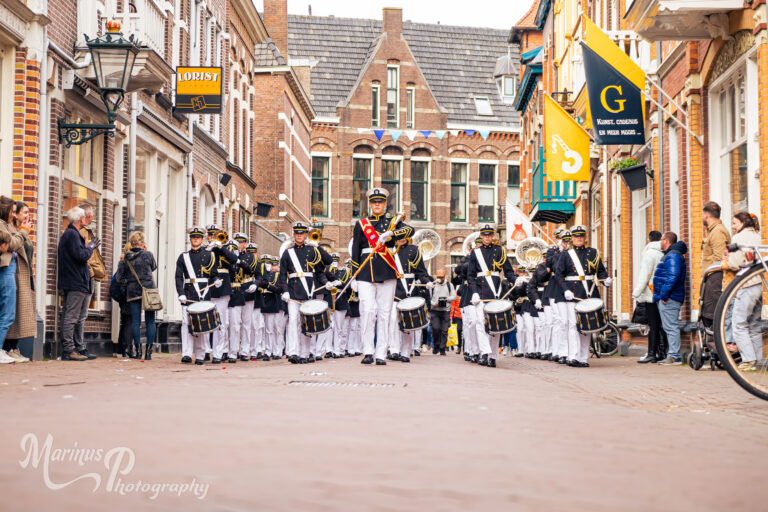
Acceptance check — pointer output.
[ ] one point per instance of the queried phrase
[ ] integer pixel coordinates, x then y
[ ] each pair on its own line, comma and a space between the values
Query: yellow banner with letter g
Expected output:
567, 145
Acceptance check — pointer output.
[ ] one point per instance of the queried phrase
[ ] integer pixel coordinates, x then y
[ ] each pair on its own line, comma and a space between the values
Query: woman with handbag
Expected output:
647, 311
135, 272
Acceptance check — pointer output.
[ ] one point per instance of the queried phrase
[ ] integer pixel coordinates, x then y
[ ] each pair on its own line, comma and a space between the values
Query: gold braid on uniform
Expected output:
499, 265
413, 264
206, 271
592, 264
311, 264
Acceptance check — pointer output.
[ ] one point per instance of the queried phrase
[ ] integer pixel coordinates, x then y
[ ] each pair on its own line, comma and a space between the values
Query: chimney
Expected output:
393, 21
276, 21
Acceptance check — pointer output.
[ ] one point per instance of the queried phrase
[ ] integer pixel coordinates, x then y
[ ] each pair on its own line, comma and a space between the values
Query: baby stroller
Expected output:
703, 349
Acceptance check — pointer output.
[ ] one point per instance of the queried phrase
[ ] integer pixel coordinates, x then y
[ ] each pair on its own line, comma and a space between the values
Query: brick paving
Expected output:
438, 434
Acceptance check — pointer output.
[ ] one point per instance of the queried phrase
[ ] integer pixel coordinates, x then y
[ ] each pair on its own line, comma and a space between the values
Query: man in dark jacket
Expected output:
74, 281
669, 292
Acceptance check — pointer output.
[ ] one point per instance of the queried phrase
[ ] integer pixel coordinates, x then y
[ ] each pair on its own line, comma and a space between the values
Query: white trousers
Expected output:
270, 333
257, 343
324, 341
417, 339
247, 329
525, 339
578, 344
469, 329
538, 329
547, 323
400, 342
281, 320
236, 322
376, 302
192, 345
340, 332
559, 328
296, 342
221, 335
487, 343
354, 343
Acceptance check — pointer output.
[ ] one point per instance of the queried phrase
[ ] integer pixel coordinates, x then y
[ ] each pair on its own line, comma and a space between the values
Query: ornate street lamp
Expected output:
113, 59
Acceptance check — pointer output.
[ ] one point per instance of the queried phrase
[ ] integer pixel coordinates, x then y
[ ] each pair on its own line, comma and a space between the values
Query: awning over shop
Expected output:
557, 212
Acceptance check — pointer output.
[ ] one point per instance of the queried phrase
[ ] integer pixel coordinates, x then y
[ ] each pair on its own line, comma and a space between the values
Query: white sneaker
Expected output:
505, 351
5, 358
16, 356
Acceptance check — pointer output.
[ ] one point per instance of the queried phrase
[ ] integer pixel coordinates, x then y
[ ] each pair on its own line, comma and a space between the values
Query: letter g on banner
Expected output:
604, 99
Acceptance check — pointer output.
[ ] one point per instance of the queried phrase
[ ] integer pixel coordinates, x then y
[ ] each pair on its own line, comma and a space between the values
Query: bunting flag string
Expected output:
414, 134
395, 134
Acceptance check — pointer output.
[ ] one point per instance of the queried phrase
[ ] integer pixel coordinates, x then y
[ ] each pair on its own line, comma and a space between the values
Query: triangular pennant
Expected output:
469, 133
411, 134
455, 133
426, 133
440, 134
379, 133
567, 145
395, 134
363, 130
484, 133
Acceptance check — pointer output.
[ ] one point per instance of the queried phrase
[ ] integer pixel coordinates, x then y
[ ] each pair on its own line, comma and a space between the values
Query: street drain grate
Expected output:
324, 384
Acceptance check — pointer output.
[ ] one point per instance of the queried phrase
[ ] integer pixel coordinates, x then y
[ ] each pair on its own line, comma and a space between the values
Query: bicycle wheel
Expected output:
606, 342
752, 374
696, 361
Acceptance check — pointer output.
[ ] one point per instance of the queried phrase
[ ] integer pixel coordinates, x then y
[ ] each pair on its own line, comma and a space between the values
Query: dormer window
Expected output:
507, 86
483, 106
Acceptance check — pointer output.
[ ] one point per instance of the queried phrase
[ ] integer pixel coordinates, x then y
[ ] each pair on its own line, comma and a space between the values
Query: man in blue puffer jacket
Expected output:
669, 292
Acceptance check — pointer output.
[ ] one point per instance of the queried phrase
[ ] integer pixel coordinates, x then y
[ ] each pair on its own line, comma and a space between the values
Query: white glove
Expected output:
385, 236
336, 284
286, 296
430, 285
353, 285
608, 282
311, 243
217, 283
183, 299
251, 289
568, 295
475, 299
538, 304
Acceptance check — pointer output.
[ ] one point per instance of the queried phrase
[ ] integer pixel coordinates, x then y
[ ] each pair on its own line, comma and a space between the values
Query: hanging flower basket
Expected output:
633, 172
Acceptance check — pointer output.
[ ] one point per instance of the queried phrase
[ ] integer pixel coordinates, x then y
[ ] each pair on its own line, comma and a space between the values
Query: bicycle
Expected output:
606, 342
753, 377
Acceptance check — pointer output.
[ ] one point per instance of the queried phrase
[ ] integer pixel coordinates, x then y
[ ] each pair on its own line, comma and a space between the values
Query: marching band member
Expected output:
281, 321
242, 325
193, 270
210, 232
411, 268
249, 260
469, 317
559, 323
578, 271
220, 296
487, 264
354, 342
270, 307
376, 279
298, 266
237, 276
544, 277
536, 286
339, 307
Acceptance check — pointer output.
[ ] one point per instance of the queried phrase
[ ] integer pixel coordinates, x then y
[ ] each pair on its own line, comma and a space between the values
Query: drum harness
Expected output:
299, 272
485, 272
192, 277
403, 280
580, 270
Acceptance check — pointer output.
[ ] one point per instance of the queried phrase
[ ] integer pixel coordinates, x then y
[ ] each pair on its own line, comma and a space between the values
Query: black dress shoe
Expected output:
368, 359
215, 360
319, 358
416, 353
434, 351
395, 357
293, 359
474, 359
328, 355
483, 361
303, 360
91, 356
647, 359
546, 357
275, 358
563, 360
232, 360
466, 357
254, 358
404, 359
225, 356
207, 356
519, 354
442, 352
380, 362
199, 362
245, 358
492, 363
186, 359
537, 355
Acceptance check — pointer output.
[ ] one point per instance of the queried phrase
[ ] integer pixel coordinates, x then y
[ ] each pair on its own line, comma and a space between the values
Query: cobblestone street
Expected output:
438, 434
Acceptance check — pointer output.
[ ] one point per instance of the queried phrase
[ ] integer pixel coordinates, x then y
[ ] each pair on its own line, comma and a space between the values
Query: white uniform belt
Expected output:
299, 274
249, 280
223, 271
540, 288
409, 276
196, 280
488, 273
369, 250
579, 278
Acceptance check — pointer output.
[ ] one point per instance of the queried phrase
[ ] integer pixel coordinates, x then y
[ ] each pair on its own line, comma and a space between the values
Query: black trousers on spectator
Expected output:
657, 338
441, 321
460, 334
124, 336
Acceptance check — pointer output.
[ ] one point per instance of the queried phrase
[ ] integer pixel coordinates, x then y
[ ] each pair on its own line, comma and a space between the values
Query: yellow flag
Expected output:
567, 145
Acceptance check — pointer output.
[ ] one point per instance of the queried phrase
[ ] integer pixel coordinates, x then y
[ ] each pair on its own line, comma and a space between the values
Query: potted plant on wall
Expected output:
633, 172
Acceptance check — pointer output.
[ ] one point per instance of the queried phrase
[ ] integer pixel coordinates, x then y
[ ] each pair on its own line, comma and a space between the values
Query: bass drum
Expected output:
412, 314
499, 316
202, 318
590, 316
315, 317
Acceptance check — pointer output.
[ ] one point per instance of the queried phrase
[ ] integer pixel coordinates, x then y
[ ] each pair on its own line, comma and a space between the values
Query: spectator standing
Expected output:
10, 242
135, 272
716, 239
440, 316
657, 338
117, 293
25, 325
746, 307
74, 280
456, 319
669, 292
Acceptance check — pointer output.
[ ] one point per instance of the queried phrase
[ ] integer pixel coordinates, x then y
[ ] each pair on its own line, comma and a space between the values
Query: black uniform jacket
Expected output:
203, 263
312, 261
592, 265
496, 261
224, 259
413, 269
376, 270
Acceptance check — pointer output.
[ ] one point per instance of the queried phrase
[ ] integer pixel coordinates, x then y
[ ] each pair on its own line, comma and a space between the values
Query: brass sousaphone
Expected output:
531, 251
428, 242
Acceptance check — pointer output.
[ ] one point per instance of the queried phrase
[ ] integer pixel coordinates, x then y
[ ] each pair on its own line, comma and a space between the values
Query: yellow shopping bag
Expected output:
453, 336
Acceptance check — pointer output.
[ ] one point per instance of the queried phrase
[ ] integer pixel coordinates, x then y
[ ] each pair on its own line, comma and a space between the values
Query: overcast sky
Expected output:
475, 13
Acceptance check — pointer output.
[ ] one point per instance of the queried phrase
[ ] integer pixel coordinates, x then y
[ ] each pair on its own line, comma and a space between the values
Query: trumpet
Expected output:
221, 236
315, 234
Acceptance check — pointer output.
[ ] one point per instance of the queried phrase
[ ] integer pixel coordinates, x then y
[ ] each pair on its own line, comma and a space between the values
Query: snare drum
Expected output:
315, 317
202, 317
590, 316
412, 314
499, 316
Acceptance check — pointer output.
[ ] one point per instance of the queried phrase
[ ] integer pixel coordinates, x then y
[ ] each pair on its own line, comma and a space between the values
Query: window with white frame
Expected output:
733, 140
674, 178
459, 191
486, 196
361, 182
320, 185
483, 106
393, 100
375, 106
410, 113
419, 188
390, 180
